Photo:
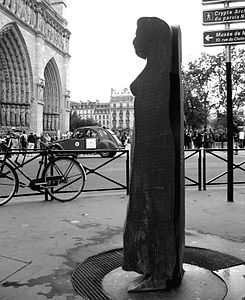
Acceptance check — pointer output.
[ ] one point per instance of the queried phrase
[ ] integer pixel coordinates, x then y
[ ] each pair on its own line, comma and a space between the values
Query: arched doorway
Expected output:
16, 79
51, 98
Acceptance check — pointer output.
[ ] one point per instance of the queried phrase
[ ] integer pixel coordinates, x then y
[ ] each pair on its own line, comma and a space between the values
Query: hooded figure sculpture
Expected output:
149, 233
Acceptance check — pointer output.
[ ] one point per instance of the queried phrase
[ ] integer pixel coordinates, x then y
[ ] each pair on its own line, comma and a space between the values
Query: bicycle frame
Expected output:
18, 166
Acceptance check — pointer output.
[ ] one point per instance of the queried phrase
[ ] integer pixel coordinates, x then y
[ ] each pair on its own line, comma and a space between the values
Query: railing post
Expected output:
52, 174
204, 167
199, 170
45, 163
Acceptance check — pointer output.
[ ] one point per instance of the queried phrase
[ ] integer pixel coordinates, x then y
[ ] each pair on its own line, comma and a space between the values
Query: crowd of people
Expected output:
210, 138
21, 140
193, 139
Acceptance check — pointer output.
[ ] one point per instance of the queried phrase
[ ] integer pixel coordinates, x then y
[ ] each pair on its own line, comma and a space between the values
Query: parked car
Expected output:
89, 138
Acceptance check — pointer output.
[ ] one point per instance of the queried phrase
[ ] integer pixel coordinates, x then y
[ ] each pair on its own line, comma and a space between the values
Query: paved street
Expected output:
42, 242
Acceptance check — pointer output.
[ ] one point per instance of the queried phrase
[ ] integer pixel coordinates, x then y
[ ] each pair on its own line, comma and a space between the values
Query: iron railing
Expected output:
200, 176
23, 159
221, 156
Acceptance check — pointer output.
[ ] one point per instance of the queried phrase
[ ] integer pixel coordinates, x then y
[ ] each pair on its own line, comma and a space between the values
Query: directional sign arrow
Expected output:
208, 37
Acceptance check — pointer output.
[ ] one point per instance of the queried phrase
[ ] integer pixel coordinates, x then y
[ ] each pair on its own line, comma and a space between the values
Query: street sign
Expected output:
225, 15
219, 1
224, 37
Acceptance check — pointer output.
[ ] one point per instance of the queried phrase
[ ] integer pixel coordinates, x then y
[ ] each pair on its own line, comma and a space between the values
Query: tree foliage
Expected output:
204, 83
76, 122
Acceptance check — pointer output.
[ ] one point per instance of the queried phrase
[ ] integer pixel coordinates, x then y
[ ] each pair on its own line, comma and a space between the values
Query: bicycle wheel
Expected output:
8, 182
65, 178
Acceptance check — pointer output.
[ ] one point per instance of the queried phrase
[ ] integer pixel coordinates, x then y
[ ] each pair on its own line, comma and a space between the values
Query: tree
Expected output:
204, 82
196, 76
76, 122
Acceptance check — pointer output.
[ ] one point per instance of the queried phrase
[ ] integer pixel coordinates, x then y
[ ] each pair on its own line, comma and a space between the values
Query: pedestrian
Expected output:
236, 141
197, 139
241, 138
2, 143
207, 138
223, 138
23, 141
37, 143
48, 138
15, 140
124, 139
31, 141
8, 143
187, 139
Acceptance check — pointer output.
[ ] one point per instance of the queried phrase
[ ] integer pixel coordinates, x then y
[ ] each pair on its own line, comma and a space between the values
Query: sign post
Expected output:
230, 181
229, 116
227, 38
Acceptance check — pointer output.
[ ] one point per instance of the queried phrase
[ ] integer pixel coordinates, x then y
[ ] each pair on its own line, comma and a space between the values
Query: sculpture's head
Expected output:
151, 33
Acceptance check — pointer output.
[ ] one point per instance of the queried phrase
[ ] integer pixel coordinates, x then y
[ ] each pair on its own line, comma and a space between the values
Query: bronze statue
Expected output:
150, 234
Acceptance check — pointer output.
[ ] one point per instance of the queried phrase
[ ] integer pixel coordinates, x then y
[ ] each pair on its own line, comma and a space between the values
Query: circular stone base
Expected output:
197, 283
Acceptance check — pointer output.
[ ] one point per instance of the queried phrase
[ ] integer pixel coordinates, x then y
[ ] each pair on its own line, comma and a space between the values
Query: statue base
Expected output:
197, 283
144, 283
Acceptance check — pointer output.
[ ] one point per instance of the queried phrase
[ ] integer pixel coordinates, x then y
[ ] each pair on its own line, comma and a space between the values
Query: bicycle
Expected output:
61, 176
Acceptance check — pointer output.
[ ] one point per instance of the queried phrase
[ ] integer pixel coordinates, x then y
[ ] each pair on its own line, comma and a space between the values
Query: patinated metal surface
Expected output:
154, 228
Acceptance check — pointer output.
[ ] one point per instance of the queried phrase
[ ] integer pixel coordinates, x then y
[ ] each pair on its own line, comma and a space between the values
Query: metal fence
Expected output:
26, 161
198, 166
218, 157
189, 179
211, 167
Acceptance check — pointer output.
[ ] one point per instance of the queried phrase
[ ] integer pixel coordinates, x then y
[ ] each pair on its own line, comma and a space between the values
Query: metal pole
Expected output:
229, 126
229, 120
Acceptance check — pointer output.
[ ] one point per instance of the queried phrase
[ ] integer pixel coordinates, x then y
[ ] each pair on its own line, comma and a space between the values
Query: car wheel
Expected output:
107, 154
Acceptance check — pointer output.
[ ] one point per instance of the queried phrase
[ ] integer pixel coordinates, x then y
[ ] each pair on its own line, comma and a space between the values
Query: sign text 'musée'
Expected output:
224, 37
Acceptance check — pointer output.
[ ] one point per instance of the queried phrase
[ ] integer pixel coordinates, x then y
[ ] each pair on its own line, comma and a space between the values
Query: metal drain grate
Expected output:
87, 277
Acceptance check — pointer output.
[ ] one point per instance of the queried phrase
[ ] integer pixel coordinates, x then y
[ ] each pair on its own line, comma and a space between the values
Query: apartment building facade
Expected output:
95, 110
118, 114
122, 110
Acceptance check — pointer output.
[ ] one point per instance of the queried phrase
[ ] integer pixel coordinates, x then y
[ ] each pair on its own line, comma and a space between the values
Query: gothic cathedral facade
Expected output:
34, 61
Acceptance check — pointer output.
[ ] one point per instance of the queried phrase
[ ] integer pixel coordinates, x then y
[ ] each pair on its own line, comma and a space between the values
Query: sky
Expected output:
102, 31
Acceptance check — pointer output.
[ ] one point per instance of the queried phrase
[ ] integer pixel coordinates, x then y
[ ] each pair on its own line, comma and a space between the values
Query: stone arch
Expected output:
51, 97
16, 78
